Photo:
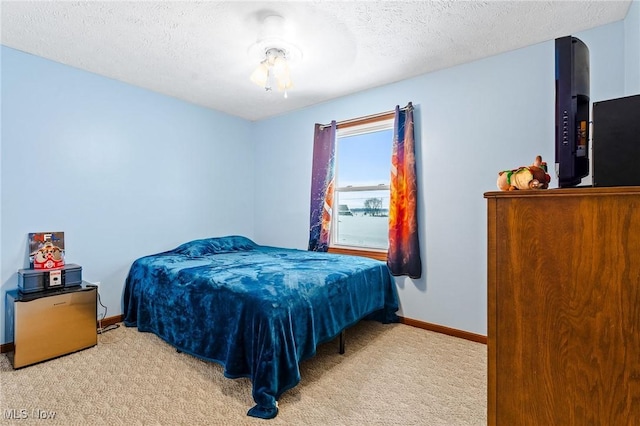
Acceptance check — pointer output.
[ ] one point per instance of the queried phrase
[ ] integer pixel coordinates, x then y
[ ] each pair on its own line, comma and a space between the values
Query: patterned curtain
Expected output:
322, 181
403, 257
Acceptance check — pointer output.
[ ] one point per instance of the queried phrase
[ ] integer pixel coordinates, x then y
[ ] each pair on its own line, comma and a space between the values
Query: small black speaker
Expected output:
616, 142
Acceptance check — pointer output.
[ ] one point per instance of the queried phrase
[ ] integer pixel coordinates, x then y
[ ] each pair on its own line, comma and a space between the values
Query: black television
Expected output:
572, 111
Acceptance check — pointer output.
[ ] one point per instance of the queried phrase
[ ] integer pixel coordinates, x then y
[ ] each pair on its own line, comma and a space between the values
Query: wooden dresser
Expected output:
564, 307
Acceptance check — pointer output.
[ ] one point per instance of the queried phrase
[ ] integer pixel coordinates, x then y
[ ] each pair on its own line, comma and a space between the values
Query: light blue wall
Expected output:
607, 64
472, 121
632, 49
138, 172
124, 172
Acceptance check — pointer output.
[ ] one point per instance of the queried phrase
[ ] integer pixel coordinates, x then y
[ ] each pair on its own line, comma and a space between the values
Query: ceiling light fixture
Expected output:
275, 54
273, 71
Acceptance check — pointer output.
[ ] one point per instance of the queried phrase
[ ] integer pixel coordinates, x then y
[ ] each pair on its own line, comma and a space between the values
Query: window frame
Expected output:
348, 128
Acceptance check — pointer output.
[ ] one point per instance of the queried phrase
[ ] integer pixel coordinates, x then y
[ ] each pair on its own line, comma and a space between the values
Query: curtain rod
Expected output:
366, 117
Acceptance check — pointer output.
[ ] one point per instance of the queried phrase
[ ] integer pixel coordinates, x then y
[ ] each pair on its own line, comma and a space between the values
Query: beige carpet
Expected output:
390, 375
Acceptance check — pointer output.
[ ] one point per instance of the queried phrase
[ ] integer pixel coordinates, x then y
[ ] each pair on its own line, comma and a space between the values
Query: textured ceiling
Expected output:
199, 50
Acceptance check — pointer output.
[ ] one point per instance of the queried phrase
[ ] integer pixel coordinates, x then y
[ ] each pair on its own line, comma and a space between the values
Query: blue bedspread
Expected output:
256, 310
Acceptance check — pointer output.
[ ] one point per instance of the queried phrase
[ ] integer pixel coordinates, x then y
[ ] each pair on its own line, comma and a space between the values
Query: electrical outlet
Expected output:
94, 284
97, 285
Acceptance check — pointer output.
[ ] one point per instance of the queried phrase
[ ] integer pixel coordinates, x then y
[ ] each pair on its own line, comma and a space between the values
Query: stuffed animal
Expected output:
530, 177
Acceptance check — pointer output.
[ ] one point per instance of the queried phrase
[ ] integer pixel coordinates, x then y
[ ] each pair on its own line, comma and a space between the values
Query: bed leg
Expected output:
342, 342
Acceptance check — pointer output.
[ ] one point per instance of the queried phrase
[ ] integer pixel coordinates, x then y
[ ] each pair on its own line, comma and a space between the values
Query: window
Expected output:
360, 224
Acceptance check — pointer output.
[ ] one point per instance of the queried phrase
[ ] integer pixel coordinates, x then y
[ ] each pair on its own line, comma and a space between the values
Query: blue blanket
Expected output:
257, 310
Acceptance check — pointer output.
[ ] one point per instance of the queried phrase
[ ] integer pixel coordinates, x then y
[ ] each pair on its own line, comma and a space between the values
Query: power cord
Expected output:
101, 330
108, 328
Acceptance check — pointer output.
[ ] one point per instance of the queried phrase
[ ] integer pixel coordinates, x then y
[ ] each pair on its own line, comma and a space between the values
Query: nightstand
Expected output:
50, 324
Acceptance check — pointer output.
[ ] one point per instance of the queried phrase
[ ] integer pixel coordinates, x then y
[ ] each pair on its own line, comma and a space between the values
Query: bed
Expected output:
257, 310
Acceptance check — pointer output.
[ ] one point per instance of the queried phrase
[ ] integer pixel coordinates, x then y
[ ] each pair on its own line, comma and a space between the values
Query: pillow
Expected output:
207, 246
